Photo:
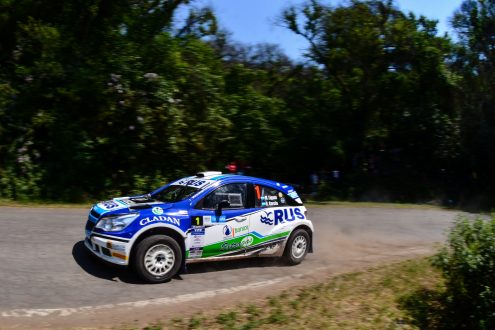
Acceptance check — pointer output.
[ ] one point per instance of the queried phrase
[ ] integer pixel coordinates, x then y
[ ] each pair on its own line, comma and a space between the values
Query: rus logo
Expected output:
266, 218
281, 216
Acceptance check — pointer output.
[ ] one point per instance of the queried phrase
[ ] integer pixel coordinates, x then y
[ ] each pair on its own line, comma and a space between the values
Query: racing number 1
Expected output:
197, 221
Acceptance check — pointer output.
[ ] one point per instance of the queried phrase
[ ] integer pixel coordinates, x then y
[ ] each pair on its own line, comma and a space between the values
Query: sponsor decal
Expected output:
227, 232
281, 216
247, 241
240, 230
266, 218
198, 237
195, 252
221, 218
159, 218
108, 205
293, 194
207, 220
157, 210
198, 231
197, 241
193, 183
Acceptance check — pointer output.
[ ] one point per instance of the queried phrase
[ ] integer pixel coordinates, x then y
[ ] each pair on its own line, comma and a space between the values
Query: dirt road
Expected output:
48, 281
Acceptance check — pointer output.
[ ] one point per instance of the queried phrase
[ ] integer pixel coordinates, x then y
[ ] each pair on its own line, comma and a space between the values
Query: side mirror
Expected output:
220, 206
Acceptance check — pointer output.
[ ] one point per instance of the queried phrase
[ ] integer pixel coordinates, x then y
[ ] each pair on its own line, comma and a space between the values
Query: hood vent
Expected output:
140, 207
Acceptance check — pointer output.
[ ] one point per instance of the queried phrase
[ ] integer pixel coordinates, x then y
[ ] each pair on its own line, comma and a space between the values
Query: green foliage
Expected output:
475, 62
109, 100
468, 266
101, 98
377, 63
228, 320
400, 295
195, 323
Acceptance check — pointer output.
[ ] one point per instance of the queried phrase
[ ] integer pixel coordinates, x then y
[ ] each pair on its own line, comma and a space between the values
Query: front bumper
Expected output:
115, 252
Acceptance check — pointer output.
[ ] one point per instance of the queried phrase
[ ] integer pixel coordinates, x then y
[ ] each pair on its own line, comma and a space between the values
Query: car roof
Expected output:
249, 179
206, 181
213, 179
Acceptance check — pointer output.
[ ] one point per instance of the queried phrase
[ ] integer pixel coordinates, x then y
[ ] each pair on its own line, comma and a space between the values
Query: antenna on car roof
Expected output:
208, 173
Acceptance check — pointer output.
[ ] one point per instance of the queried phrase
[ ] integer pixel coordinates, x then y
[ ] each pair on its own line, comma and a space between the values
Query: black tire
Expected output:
297, 247
157, 258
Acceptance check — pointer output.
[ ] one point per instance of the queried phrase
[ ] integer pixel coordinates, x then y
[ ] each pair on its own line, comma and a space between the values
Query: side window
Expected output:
234, 193
266, 197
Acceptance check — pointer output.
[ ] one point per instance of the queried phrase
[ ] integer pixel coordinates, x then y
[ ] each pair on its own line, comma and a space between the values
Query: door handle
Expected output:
240, 219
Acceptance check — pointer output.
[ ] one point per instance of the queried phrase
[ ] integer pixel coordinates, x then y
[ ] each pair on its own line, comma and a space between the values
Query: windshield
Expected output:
174, 193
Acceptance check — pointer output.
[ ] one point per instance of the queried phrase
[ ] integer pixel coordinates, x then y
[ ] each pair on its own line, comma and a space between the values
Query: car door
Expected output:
272, 222
225, 229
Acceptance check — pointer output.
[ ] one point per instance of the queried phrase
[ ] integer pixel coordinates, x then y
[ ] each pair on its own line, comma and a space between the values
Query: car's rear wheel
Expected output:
157, 258
297, 247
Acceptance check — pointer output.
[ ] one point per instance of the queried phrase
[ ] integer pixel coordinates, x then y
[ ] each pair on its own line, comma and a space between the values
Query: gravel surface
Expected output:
48, 281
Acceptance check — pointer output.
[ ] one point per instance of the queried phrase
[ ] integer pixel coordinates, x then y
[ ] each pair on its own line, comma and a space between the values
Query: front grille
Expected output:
94, 213
90, 225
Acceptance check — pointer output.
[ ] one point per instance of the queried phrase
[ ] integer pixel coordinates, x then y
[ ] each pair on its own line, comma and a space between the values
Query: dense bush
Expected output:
468, 266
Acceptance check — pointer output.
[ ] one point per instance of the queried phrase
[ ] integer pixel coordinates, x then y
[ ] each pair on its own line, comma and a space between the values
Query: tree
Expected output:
474, 23
81, 94
388, 71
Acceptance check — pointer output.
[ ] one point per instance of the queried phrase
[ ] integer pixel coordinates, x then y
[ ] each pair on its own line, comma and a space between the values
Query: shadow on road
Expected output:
99, 268
110, 272
207, 267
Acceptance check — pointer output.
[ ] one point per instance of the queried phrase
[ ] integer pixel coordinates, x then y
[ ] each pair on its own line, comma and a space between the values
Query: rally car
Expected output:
207, 217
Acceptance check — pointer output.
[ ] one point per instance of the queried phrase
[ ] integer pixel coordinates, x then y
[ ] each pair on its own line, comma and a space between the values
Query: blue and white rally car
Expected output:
206, 217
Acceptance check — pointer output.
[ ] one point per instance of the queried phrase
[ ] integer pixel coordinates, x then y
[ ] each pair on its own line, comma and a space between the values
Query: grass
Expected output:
398, 296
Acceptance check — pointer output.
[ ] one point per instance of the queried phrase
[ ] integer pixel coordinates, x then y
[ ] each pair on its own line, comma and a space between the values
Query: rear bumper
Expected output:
112, 251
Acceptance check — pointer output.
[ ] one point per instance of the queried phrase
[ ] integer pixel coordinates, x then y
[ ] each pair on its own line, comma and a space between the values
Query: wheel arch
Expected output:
177, 236
310, 233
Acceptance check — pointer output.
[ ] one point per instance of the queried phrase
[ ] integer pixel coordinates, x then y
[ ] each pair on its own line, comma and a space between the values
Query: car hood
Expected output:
122, 204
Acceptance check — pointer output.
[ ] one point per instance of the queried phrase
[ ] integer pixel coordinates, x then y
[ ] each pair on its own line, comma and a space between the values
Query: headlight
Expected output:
117, 222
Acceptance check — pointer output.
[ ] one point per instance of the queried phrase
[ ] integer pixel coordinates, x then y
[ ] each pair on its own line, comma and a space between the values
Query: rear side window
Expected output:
271, 197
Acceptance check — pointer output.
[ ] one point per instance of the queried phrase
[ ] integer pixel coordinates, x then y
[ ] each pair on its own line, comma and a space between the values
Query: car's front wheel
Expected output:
297, 247
157, 258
